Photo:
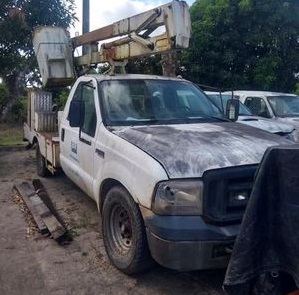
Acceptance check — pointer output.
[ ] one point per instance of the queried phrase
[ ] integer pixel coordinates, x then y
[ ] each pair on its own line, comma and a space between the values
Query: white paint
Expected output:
54, 55
134, 169
270, 125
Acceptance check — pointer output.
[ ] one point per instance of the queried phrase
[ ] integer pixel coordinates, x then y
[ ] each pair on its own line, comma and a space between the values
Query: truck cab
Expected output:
169, 173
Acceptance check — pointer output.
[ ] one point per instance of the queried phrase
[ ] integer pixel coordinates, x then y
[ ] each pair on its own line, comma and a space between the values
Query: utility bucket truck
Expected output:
170, 174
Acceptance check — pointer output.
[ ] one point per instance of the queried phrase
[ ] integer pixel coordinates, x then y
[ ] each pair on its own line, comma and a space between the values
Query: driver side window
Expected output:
85, 93
257, 106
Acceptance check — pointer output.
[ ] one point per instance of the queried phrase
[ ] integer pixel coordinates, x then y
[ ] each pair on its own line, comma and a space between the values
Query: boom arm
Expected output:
173, 16
55, 55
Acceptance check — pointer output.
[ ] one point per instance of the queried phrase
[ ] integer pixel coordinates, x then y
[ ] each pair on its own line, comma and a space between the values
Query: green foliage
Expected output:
19, 110
249, 44
3, 94
17, 22
72, 233
145, 65
63, 95
59, 96
297, 88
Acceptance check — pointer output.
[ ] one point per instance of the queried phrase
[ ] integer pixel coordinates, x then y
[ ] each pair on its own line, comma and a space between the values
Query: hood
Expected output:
188, 150
289, 120
269, 125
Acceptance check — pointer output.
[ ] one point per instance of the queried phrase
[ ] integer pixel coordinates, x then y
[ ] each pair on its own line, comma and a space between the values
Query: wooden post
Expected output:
169, 63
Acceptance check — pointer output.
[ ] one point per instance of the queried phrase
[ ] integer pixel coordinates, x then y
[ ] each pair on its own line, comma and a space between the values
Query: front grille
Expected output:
220, 187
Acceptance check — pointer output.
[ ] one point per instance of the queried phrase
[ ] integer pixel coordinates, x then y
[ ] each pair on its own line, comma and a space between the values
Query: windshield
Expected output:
137, 102
284, 106
243, 110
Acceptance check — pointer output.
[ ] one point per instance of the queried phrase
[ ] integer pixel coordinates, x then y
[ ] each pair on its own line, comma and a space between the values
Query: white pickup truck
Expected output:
170, 174
281, 107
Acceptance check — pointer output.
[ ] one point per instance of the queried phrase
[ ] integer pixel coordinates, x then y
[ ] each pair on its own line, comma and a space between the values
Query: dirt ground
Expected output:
33, 264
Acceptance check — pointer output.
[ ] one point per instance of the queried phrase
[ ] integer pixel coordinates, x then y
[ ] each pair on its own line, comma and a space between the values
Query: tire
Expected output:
41, 163
124, 233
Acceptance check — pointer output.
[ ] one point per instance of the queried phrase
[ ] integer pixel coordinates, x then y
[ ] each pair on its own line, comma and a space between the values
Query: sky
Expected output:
105, 12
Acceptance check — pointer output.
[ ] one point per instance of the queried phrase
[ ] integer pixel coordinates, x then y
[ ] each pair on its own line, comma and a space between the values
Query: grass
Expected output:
11, 135
72, 233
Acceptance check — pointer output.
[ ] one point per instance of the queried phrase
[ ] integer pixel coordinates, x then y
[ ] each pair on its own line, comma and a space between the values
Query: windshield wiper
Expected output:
162, 121
210, 117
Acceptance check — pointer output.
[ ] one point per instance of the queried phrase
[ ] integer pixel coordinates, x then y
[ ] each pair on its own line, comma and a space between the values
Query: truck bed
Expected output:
49, 147
51, 136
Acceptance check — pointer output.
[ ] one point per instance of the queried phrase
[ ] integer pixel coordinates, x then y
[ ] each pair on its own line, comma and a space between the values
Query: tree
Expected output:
3, 95
252, 44
165, 64
17, 21
145, 65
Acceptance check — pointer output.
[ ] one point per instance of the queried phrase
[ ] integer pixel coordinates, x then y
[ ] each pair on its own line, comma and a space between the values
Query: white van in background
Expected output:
246, 117
283, 107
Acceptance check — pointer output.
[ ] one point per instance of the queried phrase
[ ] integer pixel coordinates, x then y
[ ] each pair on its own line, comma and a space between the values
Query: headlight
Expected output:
179, 197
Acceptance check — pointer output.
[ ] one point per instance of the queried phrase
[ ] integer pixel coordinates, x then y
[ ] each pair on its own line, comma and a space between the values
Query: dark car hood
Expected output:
188, 150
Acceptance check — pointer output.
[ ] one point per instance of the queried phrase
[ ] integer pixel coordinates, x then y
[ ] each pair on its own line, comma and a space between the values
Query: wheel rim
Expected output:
121, 229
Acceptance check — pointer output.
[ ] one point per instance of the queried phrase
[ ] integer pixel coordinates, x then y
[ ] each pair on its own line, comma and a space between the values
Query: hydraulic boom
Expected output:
54, 49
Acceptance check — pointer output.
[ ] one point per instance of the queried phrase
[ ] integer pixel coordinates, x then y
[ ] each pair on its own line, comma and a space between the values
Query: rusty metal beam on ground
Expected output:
26, 192
43, 194
41, 212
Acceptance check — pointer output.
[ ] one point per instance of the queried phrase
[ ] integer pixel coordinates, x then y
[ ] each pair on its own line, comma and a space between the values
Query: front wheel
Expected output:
124, 233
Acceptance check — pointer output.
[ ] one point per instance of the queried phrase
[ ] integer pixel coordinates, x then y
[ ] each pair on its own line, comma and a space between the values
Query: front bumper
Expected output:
188, 243
189, 255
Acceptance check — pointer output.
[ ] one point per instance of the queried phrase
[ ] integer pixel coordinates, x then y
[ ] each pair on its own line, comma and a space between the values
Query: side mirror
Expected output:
75, 113
232, 109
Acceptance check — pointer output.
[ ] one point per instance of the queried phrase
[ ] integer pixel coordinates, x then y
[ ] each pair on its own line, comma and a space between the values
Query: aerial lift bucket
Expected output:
54, 56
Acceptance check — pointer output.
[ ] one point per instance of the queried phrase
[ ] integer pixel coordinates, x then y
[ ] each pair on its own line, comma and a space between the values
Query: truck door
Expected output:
80, 142
257, 106
87, 134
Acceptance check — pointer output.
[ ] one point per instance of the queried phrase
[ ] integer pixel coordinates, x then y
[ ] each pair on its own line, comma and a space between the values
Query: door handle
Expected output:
100, 153
62, 134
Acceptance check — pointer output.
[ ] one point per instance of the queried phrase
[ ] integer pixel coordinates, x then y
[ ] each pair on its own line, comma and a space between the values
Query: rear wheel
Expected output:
41, 163
124, 233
